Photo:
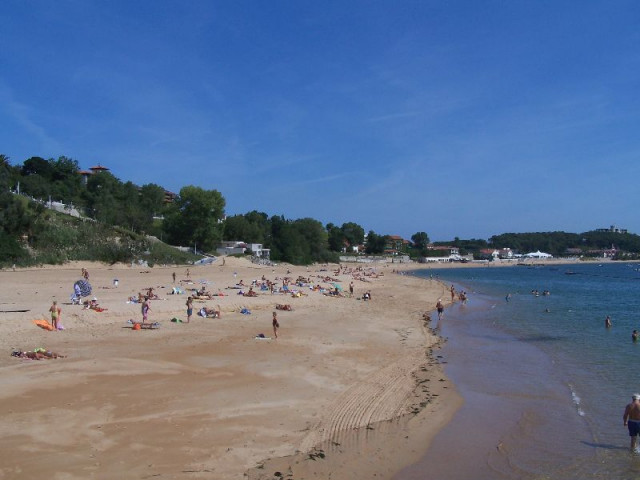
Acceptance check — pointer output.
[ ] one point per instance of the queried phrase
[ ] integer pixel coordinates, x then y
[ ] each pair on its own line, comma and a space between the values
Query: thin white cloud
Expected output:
22, 115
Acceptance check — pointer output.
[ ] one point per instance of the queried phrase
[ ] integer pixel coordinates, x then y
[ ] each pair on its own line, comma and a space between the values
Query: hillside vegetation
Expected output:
56, 238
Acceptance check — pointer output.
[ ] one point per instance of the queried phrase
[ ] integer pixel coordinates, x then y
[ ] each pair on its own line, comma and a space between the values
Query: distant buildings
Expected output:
92, 171
236, 247
612, 229
396, 244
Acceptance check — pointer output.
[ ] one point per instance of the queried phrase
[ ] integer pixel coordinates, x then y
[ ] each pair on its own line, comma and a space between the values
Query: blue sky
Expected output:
457, 118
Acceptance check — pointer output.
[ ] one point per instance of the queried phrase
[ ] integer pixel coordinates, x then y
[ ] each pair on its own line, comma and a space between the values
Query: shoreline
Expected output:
208, 400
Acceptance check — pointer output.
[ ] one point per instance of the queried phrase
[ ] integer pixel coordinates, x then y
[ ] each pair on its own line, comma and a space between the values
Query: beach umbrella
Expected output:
82, 288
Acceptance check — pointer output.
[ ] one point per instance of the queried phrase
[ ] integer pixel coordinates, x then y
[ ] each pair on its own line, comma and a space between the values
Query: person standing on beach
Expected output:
145, 309
607, 322
351, 288
189, 308
174, 277
631, 419
56, 313
453, 294
275, 324
440, 309
188, 274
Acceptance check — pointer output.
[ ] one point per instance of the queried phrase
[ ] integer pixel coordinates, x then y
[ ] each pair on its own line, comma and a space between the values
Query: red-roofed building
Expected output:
92, 170
99, 168
396, 244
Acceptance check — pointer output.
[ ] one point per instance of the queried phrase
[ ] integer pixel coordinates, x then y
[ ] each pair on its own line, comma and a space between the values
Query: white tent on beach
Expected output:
538, 254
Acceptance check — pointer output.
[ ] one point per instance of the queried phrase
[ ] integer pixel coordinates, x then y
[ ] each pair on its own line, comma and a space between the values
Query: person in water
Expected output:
607, 322
440, 309
634, 336
631, 419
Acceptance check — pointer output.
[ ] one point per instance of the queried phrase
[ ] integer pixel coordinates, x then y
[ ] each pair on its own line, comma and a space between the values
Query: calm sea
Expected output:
544, 382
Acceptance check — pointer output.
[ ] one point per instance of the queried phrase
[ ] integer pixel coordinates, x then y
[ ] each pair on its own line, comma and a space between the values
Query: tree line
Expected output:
196, 218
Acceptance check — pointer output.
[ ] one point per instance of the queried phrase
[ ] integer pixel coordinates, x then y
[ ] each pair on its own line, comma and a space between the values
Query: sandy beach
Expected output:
349, 388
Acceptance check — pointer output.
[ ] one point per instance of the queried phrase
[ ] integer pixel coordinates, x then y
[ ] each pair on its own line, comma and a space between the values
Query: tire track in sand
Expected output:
385, 394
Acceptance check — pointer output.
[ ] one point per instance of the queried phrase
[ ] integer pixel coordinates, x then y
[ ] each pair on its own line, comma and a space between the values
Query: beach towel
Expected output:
44, 324
245, 311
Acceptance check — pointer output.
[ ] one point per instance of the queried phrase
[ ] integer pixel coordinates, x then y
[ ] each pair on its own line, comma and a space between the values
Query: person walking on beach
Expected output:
189, 308
607, 322
56, 313
145, 309
631, 419
188, 274
440, 309
275, 324
453, 294
351, 288
173, 275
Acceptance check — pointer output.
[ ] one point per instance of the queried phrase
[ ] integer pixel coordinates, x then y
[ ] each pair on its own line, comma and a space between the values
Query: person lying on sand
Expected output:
37, 354
203, 293
93, 305
281, 306
210, 312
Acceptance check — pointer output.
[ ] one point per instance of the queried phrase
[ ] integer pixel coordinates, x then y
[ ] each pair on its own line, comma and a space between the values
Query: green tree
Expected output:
152, 199
37, 166
420, 241
66, 185
314, 240
335, 237
104, 195
375, 243
194, 218
252, 227
353, 233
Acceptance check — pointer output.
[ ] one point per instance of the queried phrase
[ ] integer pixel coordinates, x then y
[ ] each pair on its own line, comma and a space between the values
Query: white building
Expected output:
235, 247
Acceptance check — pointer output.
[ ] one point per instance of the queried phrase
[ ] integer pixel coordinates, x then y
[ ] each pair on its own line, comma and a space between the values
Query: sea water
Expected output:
544, 381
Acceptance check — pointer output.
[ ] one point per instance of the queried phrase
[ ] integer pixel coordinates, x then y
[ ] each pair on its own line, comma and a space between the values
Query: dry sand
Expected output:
350, 389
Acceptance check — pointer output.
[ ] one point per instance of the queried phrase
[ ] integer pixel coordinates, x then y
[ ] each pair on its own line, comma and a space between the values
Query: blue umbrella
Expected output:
82, 288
